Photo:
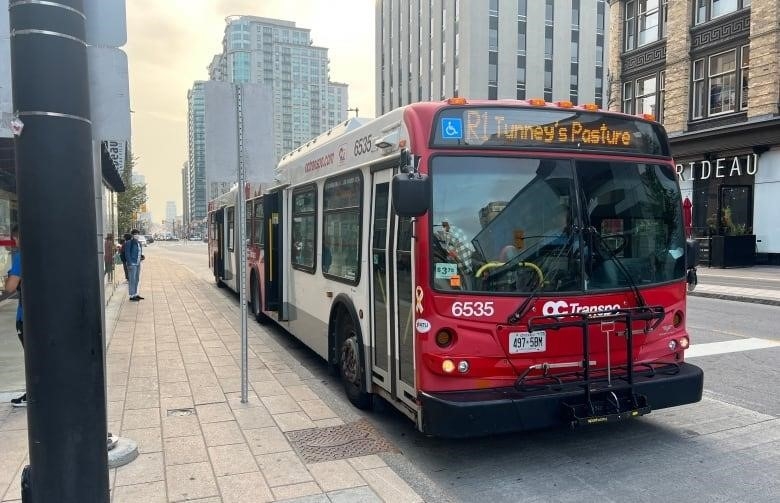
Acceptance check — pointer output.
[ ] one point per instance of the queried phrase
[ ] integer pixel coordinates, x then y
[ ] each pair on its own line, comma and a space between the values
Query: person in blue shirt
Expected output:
133, 252
13, 283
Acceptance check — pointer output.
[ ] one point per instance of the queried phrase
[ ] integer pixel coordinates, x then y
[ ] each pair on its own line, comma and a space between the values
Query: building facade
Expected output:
196, 162
214, 139
282, 57
495, 49
688, 62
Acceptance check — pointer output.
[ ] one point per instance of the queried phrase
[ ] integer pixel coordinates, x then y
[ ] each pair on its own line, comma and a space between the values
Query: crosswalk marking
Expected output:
716, 348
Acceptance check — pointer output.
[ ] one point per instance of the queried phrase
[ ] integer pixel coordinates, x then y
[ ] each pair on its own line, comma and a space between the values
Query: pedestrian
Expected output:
109, 252
13, 283
133, 256
122, 242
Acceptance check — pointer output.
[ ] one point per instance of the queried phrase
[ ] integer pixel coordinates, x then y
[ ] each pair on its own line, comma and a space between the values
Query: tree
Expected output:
130, 201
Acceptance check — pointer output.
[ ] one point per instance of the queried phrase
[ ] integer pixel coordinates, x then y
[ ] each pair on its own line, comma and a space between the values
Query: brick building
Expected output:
709, 71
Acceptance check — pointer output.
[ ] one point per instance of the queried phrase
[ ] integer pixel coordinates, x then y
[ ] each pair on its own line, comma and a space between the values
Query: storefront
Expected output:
108, 183
731, 176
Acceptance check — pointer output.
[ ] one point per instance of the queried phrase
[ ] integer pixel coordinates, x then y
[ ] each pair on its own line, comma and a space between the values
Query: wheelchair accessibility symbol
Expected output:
451, 128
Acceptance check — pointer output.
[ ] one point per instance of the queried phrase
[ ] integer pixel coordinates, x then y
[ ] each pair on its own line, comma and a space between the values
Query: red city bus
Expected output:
487, 266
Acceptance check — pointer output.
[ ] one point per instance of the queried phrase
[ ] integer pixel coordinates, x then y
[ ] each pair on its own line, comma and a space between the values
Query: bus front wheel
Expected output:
351, 365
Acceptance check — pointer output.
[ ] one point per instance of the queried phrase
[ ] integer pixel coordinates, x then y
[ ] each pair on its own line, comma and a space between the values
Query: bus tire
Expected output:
351, 365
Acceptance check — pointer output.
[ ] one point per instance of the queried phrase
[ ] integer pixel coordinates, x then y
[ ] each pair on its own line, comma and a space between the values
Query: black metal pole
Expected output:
66, 413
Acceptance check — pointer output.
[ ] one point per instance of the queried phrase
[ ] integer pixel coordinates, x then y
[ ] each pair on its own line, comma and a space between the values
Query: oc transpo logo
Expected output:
555, 307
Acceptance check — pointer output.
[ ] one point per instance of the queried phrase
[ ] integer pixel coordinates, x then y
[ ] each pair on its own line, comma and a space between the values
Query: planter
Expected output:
733, 251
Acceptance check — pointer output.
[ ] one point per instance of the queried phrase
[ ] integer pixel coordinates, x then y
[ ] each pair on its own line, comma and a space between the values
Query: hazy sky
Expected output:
170, 44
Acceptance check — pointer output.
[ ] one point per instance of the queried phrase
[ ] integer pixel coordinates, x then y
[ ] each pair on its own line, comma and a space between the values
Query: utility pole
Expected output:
66, 413
241, 244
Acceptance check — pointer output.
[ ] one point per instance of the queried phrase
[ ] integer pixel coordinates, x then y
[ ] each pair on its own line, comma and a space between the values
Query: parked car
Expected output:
149, 238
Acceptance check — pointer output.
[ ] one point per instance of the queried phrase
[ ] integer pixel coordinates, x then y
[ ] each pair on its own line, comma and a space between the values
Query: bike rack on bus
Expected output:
612, 402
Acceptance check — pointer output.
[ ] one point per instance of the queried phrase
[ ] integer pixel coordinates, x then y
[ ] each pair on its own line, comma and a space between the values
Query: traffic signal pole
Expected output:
63, 338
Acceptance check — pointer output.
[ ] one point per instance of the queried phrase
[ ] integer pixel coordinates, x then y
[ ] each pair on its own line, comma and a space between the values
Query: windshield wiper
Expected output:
611, 255
518, 314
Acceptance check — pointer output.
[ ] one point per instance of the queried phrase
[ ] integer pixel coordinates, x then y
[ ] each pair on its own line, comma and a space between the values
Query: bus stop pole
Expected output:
242, 245
63, 336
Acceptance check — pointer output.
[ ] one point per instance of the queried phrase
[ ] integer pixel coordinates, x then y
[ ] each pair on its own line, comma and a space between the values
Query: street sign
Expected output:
109, 93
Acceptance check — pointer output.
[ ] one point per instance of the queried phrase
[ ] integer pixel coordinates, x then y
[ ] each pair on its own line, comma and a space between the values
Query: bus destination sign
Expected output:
546, 128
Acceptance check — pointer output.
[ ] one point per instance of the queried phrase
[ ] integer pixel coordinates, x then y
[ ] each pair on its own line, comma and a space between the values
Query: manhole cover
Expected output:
338, 442
181, 412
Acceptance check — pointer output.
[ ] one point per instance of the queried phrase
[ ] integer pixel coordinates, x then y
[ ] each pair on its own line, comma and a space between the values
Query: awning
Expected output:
110, 174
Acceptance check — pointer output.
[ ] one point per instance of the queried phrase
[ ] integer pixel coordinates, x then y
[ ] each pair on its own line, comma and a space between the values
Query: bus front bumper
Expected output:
475, 413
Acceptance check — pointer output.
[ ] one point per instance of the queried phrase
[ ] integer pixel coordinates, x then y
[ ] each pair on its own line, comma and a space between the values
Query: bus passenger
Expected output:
456, 244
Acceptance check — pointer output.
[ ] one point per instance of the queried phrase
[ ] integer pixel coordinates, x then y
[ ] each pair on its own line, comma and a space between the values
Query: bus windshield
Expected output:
522, 225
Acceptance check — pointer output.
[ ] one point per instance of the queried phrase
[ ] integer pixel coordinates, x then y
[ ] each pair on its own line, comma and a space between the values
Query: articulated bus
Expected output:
483, 266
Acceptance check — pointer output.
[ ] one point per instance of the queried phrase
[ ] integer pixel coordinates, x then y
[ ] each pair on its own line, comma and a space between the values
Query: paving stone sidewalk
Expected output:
174, 387
745, 290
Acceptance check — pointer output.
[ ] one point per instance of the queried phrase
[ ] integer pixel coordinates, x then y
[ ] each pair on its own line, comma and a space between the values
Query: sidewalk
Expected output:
741, 284
174, 387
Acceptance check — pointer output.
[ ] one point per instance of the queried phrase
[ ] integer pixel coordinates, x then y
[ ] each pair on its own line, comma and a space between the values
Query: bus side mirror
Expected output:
692, 253
411, 194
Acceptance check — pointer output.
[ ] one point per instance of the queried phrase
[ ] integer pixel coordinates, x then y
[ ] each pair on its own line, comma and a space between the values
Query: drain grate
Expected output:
349, 440
189, 411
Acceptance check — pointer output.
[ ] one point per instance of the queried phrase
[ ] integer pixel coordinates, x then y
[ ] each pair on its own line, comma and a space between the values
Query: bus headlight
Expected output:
463, 366
684, 342
447, 366
672, 345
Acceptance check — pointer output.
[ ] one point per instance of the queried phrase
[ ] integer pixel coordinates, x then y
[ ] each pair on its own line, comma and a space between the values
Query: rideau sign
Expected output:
721, 167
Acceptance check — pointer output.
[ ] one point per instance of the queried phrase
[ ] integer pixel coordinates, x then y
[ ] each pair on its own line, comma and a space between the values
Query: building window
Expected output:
521, 40
521, 77
644, 22
644, 95
548, 80
628, 97
304, 228
645, 91
744, 70
719, 84
549, 12
722, 82
522, 10
548, 42
698, 90
661, 97
711, 9
574, 83
493, 75
575, 14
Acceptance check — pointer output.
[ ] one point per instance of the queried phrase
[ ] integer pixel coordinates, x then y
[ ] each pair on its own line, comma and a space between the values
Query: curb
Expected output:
736, 298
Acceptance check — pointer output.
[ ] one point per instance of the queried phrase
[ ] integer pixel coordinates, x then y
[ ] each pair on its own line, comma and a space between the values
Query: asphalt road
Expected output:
725, 448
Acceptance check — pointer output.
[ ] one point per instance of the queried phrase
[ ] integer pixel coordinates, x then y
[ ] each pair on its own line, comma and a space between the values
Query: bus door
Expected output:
272, 251
219, 236
230, 264
390, 296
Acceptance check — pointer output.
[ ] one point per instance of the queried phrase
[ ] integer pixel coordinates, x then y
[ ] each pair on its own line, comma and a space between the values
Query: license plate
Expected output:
527, 342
